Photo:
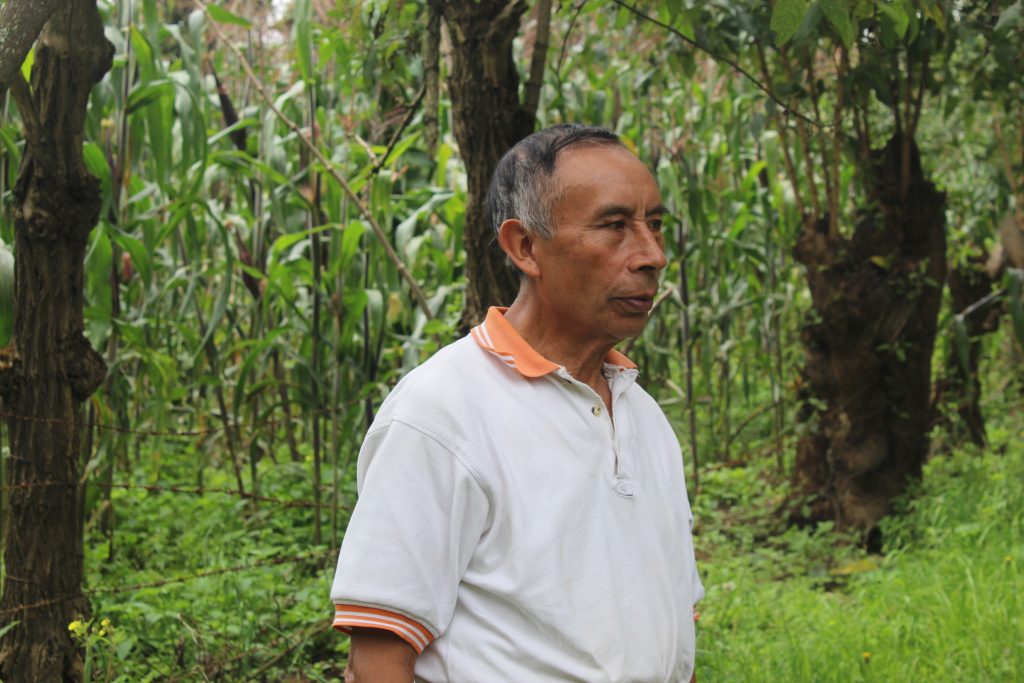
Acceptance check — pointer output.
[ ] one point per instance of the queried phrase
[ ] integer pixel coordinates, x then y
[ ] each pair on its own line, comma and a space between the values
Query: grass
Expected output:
943, 603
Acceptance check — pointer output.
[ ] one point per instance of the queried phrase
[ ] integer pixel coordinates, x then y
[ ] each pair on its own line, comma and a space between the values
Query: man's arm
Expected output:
378, 656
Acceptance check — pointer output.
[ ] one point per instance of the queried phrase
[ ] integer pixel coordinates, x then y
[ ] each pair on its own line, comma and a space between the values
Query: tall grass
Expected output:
944, 603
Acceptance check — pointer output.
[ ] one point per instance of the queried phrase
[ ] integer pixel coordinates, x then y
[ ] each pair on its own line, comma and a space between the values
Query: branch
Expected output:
919, 102
20, 24
784, 139
565, 40
378, 231
539, 58
22, 95
382, 159
722, 58
837, 143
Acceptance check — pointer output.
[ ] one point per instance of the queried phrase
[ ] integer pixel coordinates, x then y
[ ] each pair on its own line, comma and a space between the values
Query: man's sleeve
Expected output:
696, 585
420, 515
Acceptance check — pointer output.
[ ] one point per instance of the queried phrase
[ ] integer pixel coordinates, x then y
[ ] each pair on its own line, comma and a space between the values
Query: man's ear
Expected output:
518, 243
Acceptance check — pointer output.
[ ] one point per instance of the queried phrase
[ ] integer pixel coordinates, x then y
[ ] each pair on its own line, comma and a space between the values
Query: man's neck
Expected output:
583, 359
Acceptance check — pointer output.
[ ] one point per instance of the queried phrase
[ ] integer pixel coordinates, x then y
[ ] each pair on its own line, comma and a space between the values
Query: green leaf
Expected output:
284, 242
8, 627
897, 16
809, 24
97, 164
97, 272
26, 66
147, 94
302, 37
350, 242
838, 14
786, 19
137, 251
405, 229
1011, 17
222, 16
401, 148
883, 262
221, 305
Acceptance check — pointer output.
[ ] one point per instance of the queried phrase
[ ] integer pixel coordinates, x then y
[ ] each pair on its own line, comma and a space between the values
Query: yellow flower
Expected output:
105, 622
866, 655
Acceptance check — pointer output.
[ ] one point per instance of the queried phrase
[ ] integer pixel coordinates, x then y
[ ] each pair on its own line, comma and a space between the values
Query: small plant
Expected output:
104, 647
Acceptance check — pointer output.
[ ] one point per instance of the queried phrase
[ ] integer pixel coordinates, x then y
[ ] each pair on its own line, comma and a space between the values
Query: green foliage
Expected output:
942, 602
105, 648
786, 18
222, 624
838, 14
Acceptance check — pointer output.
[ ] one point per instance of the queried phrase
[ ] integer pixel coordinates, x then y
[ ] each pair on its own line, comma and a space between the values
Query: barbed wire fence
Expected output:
275, 649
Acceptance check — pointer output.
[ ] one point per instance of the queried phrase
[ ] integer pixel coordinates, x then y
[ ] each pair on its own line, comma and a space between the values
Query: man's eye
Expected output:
655, 225
617, 225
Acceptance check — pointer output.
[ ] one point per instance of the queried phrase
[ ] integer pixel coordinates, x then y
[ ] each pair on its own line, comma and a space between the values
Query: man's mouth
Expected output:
641, 303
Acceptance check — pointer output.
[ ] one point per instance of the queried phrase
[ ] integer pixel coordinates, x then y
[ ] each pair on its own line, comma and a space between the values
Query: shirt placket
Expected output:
622, 480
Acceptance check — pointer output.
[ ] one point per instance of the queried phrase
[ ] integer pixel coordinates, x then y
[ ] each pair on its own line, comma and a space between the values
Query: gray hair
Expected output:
519, 187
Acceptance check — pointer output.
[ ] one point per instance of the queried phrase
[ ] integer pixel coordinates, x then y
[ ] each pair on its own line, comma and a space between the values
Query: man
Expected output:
522, 514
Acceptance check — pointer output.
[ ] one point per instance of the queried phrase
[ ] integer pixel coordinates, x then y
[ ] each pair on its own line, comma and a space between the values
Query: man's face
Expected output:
599, 271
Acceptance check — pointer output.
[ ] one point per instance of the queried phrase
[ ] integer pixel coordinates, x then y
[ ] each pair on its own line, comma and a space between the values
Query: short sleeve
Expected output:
417, 522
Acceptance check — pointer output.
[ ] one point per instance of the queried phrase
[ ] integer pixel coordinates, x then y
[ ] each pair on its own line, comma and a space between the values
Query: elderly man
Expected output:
522, 513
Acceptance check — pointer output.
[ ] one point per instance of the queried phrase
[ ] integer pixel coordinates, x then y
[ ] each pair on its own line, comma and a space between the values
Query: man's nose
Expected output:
648, 249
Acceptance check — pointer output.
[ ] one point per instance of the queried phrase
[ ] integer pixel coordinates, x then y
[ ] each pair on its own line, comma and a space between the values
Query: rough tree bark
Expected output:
20, 23
488, 118
877, 297
52, 368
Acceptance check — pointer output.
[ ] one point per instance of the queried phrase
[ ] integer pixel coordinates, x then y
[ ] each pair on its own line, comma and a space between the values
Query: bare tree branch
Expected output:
540, 53
30, 117
20, 24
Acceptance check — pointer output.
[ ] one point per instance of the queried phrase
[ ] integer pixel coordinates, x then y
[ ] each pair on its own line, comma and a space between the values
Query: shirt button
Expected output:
596, 410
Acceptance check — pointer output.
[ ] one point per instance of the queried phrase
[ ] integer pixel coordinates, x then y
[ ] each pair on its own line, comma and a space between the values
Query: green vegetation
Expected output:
942, 603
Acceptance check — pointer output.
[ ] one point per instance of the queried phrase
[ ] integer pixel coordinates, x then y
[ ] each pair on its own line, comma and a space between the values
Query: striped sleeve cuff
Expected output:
348, 616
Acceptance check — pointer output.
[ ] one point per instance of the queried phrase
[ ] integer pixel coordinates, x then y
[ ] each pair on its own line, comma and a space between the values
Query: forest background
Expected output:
287, 220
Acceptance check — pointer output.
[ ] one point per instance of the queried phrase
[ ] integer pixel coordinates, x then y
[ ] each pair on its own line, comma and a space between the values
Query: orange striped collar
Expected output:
495, 334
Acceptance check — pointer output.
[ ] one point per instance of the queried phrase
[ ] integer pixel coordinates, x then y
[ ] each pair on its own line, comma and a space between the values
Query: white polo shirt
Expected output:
510, 531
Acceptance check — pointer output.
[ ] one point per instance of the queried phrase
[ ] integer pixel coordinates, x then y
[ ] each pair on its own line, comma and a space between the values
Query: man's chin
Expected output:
630, 329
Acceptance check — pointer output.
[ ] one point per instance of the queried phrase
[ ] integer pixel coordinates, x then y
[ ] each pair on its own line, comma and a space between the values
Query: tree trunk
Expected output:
868, 353
53, 368
488, 119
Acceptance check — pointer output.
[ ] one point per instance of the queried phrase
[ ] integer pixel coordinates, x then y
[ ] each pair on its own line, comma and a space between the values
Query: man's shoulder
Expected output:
457, 376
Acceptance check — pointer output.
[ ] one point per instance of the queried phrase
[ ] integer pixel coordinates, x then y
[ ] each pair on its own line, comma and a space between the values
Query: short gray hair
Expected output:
518, 185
